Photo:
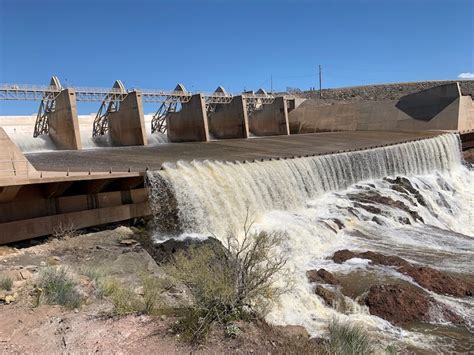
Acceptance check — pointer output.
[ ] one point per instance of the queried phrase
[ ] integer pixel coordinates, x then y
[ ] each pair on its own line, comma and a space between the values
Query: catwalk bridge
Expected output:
57, 100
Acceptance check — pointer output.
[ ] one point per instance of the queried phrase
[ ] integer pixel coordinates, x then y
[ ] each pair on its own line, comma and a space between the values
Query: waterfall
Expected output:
413, 200
215, 196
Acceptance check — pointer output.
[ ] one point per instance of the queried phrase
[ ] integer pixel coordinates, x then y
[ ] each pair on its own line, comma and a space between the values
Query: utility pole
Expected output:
320, 81
271, 83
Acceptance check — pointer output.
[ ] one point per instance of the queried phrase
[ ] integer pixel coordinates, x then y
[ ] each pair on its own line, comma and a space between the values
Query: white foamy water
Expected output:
21, 132
326, 203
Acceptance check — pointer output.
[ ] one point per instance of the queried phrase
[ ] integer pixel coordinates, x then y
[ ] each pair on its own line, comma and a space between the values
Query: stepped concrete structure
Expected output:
190, 124
230, 120
127, 124
63, 122
441, 107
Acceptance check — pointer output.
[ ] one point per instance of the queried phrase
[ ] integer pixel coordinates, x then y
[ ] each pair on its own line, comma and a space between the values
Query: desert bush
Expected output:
6, 283
237, 283
57, 287
65, 230
347, 339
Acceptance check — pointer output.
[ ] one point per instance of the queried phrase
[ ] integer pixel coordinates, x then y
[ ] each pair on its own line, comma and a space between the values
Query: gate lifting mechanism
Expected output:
110, 99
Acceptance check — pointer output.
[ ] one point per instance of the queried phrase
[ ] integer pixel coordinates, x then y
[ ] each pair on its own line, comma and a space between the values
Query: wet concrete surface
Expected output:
140, 158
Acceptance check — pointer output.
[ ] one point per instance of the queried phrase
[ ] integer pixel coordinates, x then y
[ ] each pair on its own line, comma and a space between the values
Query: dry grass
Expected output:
6, 283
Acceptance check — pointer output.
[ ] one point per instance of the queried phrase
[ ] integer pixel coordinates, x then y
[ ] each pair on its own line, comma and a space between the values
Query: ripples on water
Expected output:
308, 199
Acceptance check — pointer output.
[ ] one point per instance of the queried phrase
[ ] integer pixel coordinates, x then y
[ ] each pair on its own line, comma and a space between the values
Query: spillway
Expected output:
216, 194
413, 200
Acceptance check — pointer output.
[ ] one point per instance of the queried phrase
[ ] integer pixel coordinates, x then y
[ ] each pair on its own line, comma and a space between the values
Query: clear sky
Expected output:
237, 44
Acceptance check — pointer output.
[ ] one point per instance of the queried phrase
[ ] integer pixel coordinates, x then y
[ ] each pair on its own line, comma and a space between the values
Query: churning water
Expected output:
22, 135
414, 200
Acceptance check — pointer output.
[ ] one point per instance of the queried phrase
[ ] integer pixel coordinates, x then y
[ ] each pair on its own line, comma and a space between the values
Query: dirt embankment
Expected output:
379, 92
31, 327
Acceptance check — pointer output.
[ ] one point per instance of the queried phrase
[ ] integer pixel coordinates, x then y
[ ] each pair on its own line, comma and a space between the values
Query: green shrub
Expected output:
347, 339
237, 283
153, 287
57, 287
6, 283
125, 300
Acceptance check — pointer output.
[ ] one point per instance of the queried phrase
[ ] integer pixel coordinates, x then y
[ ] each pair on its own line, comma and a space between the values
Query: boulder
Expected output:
427, 277
321, 276
405, 303
398, 304
164, 252
341, 256
327, 295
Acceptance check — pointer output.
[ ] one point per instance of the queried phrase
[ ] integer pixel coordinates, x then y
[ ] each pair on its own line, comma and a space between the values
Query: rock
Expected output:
164, 252
427, 277
327, 295
368, 198
295, 331
56, 258
341, 256
43, 263
8, 298
128, 242
321, 276
405, 303
398, 304
439, 282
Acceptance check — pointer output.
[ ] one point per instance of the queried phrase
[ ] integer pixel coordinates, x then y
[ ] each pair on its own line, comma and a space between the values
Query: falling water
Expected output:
213, 196
315, 202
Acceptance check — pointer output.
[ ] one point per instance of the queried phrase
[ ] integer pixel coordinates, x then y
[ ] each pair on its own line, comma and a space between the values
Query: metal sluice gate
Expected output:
110, 98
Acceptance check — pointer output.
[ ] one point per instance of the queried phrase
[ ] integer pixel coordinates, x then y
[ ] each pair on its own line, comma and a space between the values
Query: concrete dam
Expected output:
40, 191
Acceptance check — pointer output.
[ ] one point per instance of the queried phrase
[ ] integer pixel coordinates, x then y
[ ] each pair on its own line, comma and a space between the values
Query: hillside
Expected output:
378, 92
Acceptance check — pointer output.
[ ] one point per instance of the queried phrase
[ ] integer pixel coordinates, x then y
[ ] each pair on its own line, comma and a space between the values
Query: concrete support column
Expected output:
190, 124
127, 125
271, 119
63, 122
230, 120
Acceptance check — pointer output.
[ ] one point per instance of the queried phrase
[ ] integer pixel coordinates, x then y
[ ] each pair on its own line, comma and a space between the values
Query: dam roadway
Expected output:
139, 158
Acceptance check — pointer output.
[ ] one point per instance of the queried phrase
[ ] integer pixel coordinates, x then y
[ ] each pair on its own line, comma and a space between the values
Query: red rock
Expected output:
427, 277
327, 295
341, 256
321, 276
398, 304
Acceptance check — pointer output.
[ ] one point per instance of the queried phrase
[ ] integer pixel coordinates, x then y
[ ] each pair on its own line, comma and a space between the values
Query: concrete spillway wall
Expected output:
230, 120
63, 122
439, 108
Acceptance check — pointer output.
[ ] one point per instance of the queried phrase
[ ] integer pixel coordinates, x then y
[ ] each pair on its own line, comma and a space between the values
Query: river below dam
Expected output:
412, 200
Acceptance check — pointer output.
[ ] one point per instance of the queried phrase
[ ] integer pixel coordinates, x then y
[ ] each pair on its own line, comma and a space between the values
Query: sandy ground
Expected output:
51, 329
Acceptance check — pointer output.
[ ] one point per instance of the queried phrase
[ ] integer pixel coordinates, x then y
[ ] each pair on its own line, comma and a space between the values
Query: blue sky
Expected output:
237, 44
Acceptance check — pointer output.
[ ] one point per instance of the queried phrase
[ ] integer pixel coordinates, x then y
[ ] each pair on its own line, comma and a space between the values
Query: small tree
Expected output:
238, 282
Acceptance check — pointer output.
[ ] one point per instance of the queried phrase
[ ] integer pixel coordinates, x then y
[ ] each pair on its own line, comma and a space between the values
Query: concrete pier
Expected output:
230, 120
63, 122
270, 119
190, 124
127, 125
